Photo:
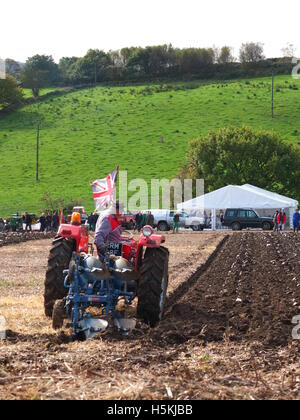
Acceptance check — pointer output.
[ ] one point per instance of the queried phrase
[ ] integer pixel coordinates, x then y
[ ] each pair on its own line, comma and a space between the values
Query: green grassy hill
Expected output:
144, 129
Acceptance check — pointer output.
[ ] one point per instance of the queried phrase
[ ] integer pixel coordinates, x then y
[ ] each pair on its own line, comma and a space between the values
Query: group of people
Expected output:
279, 220
143, 219
47, 222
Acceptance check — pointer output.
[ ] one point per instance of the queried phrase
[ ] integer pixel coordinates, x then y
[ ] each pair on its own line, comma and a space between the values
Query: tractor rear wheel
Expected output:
59, 260
153, 285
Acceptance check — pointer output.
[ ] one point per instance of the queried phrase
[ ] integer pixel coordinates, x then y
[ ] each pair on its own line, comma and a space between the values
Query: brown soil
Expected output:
226, 333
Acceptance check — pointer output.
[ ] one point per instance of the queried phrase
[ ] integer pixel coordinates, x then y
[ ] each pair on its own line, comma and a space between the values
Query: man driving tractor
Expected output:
108, 229
76, 281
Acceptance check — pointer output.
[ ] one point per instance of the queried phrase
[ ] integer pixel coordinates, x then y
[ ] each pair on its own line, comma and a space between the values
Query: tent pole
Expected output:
213, 224
291, 214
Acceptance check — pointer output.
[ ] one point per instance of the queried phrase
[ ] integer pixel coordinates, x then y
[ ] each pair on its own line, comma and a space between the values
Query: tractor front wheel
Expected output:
153, 285
59, 260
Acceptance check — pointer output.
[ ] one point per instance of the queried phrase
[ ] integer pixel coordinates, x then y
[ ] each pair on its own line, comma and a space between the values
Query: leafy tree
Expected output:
140, 59
161, 58
51, 203
67, 69
13, 68
116, 59
289, 51
91, 68
194, 60
225, 55
152, 60
127, 53
40, 71
251, 52
243, 155
10, 93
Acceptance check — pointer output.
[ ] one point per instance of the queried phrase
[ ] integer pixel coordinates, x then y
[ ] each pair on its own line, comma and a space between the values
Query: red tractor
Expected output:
126, 220
144, 261
81, 211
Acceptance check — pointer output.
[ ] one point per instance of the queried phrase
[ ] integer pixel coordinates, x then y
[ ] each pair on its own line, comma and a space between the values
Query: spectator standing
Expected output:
275, 217
55, 220
91, 222
28, 222
281, 219
138, 221
296, 220
221, 216
42, 221
150, 219
175, 223
48, 222
144, 219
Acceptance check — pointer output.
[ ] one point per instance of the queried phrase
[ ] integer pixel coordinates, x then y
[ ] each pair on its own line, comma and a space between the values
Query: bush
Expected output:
10, 94
242, 155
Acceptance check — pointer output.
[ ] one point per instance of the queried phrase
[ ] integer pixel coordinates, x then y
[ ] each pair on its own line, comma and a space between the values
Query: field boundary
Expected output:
16, 238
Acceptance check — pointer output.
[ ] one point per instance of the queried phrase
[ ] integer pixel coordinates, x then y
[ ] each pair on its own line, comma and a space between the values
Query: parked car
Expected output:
163, 220
239, 219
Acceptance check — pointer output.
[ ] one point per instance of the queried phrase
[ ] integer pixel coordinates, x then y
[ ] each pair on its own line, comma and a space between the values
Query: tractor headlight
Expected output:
147, 231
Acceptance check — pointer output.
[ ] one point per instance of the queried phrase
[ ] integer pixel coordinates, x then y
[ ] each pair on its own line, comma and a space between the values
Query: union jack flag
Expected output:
104, 190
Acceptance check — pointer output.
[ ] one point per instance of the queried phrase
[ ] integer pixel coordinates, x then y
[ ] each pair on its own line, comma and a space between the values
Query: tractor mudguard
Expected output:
152, 241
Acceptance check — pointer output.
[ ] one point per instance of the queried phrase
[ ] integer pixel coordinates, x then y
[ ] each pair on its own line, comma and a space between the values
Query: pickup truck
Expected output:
163, 220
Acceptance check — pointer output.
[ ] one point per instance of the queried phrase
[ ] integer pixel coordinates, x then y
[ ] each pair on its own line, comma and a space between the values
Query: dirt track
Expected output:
226, 333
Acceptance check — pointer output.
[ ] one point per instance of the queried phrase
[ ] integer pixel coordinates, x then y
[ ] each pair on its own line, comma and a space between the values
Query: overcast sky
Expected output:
70, 27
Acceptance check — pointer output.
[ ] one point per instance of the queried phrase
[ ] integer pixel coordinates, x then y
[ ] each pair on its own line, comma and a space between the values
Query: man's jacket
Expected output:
108, 230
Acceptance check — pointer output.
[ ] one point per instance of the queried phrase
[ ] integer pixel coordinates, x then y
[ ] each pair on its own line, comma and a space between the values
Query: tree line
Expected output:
237, 156
138, 64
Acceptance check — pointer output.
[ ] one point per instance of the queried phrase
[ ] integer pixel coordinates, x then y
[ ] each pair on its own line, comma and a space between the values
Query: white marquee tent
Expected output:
235, 196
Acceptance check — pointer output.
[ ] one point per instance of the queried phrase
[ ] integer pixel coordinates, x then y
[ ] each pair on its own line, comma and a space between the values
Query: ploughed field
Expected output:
227, 331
